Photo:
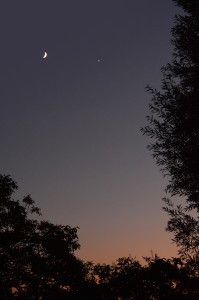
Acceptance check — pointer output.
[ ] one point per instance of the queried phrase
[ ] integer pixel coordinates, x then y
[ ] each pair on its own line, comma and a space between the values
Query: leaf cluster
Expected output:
173, 124
173, 127
36, 257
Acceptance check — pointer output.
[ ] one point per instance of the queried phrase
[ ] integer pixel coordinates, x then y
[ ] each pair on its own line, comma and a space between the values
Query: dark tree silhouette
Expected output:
127, 279
37, 258
173, 127
174, 121
37, 261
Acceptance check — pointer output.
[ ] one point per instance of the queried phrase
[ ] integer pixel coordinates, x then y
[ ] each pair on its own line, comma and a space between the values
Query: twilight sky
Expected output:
70, 124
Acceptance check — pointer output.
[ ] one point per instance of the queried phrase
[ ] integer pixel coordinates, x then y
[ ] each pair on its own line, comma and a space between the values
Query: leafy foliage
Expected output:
36, 257
173, 127
127, 279
174, 120
37, 261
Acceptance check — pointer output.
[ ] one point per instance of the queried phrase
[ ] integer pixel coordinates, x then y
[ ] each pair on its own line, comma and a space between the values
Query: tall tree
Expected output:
36, 257
173, 126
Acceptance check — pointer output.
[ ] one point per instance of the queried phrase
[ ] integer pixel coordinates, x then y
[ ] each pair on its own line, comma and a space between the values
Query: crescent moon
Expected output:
45, 54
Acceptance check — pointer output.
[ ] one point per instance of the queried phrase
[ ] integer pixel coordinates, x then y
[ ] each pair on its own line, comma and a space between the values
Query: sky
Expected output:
70, 123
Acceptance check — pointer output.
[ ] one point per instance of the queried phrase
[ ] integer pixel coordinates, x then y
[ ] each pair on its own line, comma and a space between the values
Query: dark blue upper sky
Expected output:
70, 125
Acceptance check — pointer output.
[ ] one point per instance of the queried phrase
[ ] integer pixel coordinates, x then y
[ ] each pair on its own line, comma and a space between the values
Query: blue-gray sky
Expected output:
70, 124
